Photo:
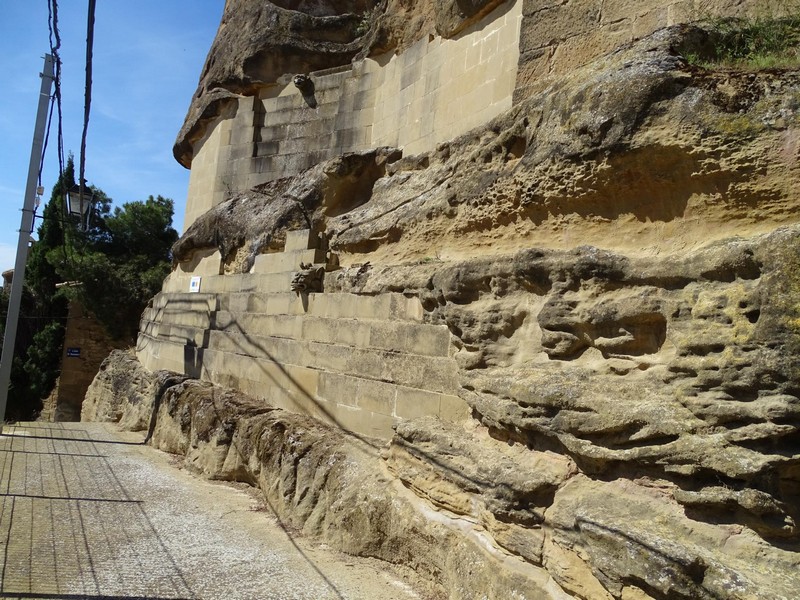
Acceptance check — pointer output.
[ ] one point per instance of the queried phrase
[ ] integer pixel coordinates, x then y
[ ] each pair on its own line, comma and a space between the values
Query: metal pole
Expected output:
15, 298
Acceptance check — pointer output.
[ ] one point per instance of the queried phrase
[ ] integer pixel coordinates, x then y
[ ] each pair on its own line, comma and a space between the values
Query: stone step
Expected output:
156, 354
388, 306
289, 261
436, 374
247, 282
400, 336
176, 333
185, 301
187, 318
300, 239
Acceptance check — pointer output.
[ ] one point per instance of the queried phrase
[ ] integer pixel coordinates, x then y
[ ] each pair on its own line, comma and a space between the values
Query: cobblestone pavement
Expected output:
89, 512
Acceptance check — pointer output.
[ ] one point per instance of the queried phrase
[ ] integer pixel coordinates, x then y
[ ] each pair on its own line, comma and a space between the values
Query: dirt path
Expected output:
89, 512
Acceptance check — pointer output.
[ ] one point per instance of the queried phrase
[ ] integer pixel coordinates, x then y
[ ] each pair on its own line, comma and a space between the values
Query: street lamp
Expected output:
79, 204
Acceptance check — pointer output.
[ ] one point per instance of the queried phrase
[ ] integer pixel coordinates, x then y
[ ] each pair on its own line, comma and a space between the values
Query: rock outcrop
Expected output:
636, 151
615, 259
479, 516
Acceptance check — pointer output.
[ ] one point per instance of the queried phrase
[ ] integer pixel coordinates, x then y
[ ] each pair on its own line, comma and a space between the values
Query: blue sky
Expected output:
147, 60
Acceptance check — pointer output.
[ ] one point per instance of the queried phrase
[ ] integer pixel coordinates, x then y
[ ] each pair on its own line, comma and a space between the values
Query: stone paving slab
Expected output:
88, 512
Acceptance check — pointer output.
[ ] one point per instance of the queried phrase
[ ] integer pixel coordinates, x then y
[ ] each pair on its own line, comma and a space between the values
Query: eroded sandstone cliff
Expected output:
615, 259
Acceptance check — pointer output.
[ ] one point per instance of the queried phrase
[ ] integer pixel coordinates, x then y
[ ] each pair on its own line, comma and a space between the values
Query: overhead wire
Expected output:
55, 46
88, 100
46, 140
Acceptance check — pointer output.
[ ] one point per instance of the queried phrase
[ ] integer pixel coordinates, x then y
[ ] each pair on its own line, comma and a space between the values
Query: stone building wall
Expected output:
86, 345
363, 363
432, 92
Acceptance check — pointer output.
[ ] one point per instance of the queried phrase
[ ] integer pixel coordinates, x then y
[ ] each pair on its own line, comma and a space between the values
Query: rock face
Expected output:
479, 516
256, 223
615, 259
636, 151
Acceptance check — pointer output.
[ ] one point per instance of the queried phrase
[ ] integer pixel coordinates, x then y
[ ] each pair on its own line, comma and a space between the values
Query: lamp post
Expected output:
15, 297
79, 204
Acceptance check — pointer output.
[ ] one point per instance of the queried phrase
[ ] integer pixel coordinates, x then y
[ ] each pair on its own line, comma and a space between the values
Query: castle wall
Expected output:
557, 37
363, 363
324, 354
436, 90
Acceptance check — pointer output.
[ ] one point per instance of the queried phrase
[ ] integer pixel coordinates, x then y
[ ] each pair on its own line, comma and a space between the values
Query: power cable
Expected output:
46, 140
88, 98
55, 45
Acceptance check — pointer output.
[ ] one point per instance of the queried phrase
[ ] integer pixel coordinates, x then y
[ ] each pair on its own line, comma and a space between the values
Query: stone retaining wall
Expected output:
361, 362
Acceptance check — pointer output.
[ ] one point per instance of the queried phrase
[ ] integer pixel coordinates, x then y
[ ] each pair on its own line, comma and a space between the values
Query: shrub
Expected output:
765, 41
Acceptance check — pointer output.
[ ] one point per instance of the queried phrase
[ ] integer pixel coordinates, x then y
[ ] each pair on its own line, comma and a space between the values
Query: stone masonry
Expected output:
86, 344
436, 90
361, 362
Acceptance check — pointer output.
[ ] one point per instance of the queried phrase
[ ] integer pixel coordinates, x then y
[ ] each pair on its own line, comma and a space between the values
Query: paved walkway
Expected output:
88, 512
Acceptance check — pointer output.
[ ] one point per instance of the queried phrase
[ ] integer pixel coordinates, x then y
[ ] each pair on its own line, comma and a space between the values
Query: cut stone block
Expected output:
281, 262
300, 239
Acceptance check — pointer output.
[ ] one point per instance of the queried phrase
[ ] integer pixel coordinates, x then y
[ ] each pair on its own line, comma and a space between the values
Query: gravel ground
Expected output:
89, 512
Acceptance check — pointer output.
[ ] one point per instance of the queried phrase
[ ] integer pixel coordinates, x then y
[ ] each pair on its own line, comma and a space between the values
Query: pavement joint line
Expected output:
71, 499
61, 439
132, 527
54, 453
26, 595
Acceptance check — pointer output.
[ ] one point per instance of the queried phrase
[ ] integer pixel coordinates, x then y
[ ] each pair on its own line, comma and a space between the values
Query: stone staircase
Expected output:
361, 362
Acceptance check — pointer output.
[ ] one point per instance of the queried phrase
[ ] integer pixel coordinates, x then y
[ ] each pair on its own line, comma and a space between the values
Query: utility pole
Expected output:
26, 226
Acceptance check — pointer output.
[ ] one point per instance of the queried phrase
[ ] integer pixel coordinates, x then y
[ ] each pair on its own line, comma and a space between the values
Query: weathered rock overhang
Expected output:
576, 324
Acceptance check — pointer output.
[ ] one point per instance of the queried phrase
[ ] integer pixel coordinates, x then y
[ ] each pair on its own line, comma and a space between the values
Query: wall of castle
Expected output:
209, 181
327, 354
363, 363
434, 91
557, 37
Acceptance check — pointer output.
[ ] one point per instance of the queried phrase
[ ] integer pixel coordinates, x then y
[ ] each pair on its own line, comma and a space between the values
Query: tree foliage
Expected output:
43, 313
113, 263
123, 263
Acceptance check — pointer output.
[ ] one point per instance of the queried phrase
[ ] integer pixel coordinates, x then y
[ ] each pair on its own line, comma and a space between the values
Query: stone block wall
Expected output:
86, 345
558, 36
363, 363
434, 91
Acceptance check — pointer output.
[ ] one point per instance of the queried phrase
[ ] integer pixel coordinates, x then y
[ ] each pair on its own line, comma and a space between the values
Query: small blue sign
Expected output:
73, 352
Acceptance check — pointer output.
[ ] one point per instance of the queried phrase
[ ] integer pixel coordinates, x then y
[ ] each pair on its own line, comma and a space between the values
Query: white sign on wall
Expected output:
194, 285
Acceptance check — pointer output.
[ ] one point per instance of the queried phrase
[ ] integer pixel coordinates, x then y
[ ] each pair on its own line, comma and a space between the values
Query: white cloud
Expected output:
8, 256
13, 193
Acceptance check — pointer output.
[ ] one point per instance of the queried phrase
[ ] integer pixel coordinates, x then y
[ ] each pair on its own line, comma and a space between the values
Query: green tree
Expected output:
123, 263
43, 312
